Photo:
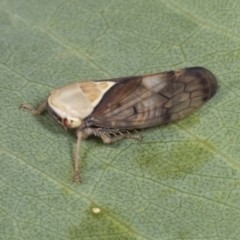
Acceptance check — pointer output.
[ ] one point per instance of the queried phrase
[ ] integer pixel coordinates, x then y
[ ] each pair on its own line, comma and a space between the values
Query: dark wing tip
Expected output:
205, 77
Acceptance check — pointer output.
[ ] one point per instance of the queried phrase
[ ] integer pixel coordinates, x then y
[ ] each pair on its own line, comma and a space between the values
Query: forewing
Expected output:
151, 100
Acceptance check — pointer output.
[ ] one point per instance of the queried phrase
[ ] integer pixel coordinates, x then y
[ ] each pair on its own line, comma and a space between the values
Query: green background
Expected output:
181, 182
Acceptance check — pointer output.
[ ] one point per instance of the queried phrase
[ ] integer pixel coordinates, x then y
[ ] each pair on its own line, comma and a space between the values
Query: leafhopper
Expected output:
111, 108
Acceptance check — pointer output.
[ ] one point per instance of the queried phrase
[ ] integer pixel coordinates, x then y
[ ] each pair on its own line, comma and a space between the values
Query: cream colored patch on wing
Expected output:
154, 82
103, 85
94, 91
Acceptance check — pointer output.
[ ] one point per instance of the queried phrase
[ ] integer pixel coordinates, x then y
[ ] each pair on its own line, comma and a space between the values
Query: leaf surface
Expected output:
181, 182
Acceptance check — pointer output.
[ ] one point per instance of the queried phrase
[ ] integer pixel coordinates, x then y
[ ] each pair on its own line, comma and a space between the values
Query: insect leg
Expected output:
84, 133
80, 137
106, 139
37, 111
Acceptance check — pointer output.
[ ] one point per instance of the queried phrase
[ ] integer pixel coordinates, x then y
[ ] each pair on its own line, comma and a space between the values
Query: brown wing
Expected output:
146, 101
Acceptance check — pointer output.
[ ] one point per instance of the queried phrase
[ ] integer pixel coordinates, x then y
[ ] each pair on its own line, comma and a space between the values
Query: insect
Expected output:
110, 108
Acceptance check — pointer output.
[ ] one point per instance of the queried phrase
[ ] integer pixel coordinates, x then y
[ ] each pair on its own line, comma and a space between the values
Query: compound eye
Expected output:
71, 123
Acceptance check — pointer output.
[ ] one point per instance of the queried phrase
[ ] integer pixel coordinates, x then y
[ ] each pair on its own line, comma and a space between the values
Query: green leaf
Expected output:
181, 182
